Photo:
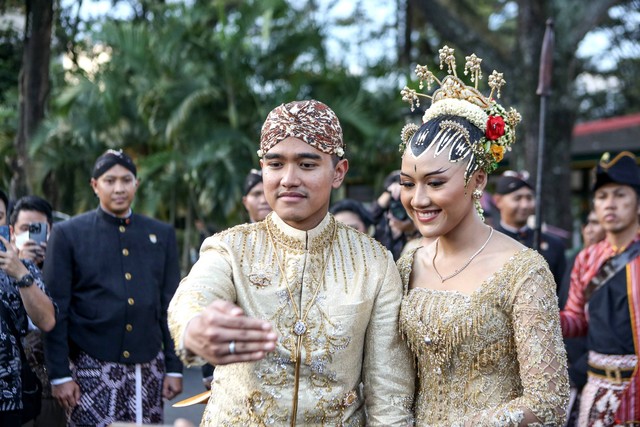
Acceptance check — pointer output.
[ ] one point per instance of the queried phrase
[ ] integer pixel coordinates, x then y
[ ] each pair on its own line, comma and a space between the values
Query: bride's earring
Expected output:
477, 195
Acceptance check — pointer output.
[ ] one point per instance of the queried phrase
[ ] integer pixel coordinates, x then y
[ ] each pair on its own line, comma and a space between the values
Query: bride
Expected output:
479, 311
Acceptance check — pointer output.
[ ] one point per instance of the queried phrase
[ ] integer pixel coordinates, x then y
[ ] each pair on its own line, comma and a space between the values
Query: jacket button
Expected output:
125, 252
125, 354
130, 301
122, 228
127, 276
129, 328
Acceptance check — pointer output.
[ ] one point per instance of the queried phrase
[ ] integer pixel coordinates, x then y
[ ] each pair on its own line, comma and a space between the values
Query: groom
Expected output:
299, 312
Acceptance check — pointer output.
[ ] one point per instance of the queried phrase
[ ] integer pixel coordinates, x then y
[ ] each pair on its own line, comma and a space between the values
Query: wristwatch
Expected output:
25, 281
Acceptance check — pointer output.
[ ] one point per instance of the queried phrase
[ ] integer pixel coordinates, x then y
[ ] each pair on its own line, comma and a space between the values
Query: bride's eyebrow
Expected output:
436, 172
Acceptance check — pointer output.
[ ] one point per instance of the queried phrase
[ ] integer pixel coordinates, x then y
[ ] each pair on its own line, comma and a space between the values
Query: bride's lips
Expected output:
427, 216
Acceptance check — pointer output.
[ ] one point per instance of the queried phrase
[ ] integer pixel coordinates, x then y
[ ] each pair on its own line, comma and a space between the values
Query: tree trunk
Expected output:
34, 87
532, 16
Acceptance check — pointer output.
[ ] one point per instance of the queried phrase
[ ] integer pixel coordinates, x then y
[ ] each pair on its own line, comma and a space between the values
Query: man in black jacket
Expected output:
515, 199
112, 273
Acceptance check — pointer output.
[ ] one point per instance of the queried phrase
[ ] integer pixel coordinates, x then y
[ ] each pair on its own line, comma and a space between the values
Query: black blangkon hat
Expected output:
254, 177
511, 181
623, 169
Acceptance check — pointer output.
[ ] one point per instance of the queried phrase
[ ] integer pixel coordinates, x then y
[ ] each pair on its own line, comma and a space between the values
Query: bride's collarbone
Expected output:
467, 281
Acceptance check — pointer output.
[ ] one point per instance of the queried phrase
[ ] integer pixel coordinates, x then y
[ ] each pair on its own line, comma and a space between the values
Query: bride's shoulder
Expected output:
513, 258
505, 251
505, 247
506, 243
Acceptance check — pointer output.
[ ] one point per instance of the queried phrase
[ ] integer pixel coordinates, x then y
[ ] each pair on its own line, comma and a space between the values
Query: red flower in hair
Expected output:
495, 127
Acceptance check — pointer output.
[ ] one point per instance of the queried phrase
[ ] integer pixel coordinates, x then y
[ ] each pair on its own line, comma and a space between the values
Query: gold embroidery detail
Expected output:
260, 276
489, 357
329, 333
297, 246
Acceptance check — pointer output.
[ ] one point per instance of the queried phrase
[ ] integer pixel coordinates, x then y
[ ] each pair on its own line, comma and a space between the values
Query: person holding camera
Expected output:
22, 294
31, 221
394, 228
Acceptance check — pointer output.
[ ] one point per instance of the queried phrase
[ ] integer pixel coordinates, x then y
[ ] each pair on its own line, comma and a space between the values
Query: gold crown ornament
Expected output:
456, 99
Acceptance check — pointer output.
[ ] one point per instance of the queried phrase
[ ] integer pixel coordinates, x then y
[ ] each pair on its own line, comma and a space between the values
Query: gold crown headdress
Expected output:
455, 99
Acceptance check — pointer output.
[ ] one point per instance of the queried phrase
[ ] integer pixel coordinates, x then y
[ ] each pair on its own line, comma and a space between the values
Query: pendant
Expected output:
299, 328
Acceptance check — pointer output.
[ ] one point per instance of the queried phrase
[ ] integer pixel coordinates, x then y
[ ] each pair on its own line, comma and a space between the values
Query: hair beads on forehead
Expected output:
454, 135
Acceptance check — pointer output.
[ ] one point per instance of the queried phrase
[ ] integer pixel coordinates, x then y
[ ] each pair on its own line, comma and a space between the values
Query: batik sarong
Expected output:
112, 392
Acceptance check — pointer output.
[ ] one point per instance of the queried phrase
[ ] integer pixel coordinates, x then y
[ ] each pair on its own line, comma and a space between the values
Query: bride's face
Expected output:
434, 192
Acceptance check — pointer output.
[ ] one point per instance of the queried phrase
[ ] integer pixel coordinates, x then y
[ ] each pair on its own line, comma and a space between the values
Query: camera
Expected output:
397, 210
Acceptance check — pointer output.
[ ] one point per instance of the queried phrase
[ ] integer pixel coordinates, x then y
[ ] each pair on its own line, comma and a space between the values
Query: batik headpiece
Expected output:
310, 121
461, 119
622, 169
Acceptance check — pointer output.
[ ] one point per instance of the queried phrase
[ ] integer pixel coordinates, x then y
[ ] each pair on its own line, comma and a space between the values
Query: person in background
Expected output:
112, 273
592, 233
352, 213
298, 312
604, 298
254, 200
27, 212
394, 228
22, 296
4, 205
515, 199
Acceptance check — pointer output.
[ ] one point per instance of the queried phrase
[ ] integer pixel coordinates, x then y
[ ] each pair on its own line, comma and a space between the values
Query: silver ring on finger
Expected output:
232, 347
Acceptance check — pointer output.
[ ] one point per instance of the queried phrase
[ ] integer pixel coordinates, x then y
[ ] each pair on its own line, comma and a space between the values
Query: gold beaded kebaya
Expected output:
460, 118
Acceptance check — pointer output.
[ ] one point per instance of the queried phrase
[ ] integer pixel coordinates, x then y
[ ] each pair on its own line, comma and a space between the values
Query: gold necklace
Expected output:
300, 327
466, 264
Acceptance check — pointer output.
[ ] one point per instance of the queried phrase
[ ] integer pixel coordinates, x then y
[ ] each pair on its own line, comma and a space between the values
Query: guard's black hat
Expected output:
109, 159
254, 177
623, 169
511, 181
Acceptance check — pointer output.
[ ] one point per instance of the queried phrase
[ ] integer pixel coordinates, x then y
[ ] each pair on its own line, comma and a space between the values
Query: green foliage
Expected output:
185, 90
10, 60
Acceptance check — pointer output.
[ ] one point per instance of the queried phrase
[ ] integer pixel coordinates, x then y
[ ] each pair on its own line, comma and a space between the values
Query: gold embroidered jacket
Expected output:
352, 335
492, 358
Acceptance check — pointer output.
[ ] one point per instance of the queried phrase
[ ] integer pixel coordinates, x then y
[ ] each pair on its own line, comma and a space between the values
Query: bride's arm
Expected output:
541, 355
